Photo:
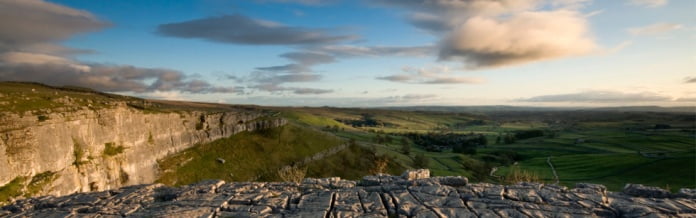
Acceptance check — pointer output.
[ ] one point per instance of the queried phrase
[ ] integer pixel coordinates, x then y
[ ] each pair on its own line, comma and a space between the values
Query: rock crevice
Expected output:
411, 195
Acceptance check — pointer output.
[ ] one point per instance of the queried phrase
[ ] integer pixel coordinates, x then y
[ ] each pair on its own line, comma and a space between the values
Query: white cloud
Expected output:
598, 96
433, 75
522, 38
649, 3
656, 28
496, 33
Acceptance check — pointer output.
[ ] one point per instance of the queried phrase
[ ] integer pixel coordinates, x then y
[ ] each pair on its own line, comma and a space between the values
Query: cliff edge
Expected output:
57, 141
414, 194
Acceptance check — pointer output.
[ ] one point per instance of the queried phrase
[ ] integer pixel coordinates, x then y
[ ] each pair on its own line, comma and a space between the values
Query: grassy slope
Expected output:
248, 155
351, 163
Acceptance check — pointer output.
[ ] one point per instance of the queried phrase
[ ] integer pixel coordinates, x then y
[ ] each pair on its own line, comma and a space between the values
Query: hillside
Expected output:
611, 147
61, 140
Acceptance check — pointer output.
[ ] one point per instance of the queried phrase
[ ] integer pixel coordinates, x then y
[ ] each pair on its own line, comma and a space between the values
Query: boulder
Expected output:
638, 190
416, 174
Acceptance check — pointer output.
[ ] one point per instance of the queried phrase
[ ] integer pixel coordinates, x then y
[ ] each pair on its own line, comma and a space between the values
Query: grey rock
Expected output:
416, 174
639, 190
374, 196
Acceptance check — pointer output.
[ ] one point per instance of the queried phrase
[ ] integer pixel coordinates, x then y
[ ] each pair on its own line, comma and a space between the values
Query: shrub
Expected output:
11, 190
42, 118
527, 134
517, 175
39, 181
150, 140
292, 174
123, 177
405, 148
110, 149
421, 161
379, 165
78, 153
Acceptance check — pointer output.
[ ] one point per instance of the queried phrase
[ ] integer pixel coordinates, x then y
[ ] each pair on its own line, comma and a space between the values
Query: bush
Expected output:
292, 174
406, 148
421, 161
379, 165
42, 118
12, 189
110, 149
78, 153
517, 175
39, 181
527, 134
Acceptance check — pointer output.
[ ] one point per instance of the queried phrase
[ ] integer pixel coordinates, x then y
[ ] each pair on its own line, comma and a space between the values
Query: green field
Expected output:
608, 151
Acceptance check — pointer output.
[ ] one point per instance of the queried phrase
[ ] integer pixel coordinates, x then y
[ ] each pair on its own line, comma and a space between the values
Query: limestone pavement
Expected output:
413, 194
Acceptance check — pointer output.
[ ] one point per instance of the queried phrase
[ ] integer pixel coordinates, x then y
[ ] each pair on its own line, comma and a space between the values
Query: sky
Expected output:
360, 53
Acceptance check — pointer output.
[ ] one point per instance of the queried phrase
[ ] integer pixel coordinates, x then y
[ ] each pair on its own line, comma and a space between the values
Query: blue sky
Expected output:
360, 53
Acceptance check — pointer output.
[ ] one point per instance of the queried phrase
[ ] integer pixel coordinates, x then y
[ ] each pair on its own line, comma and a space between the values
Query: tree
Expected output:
421, 161
405, 148
379, 165
483, 140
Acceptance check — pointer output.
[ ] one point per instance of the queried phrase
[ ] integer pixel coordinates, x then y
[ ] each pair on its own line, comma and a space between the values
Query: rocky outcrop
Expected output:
413, 194
99, 149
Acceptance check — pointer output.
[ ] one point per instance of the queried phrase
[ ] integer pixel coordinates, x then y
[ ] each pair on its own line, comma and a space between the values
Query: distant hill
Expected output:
504, 108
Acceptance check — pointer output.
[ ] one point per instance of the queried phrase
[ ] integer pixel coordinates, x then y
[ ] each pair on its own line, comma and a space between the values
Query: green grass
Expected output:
313, 120
249, 156
39, 182
23, 97
12, 189
26, 187
351, 163
610, 157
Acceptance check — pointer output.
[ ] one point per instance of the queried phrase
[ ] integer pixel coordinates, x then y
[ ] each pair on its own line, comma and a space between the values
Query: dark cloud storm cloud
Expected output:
239, 29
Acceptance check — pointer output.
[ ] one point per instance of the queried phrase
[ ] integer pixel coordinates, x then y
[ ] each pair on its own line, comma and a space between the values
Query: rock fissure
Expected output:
406, 197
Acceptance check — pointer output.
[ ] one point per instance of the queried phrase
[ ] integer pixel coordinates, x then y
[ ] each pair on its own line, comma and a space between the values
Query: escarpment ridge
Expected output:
61, 141
414, 194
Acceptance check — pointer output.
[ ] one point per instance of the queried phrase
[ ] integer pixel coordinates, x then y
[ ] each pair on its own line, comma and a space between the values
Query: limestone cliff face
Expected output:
90, 150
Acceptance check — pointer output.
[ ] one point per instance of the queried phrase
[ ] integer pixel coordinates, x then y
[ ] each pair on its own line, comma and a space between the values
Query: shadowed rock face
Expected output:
413, 194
